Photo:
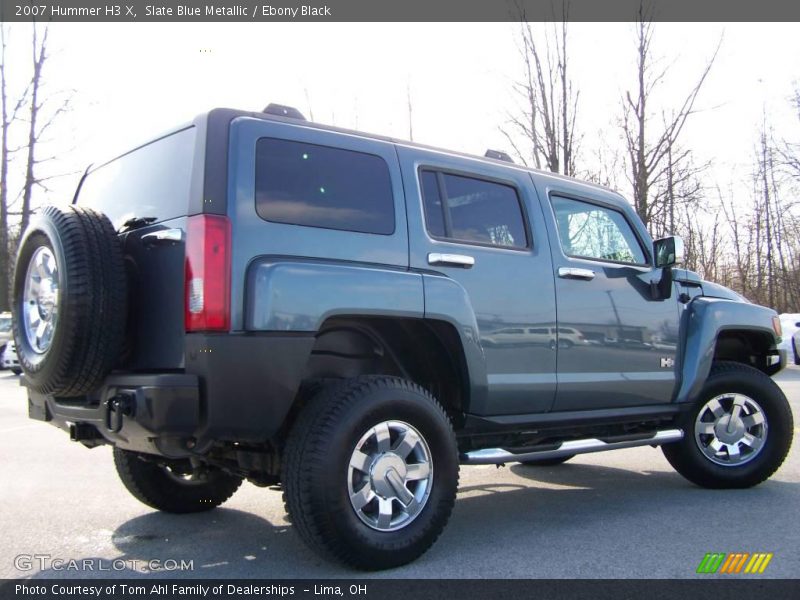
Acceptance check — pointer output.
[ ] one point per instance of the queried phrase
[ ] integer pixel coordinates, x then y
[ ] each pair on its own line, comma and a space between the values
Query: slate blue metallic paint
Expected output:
298, 296
286, 280
618, 363
704, 320
254, 237
508, 290
446, 300
302, 275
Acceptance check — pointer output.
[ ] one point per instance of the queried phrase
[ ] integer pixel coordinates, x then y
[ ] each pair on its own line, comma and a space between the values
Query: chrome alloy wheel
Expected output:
390, 476
40, 297
730, 429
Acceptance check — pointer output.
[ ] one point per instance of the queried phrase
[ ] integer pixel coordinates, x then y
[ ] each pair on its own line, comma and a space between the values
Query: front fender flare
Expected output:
702, 322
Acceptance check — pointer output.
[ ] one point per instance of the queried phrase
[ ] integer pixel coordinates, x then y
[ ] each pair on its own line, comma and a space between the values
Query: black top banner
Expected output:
104, 11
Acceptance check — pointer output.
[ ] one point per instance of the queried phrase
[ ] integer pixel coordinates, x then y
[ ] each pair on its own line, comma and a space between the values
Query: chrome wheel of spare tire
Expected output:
40, 300
731, 429
69, 301
389, 476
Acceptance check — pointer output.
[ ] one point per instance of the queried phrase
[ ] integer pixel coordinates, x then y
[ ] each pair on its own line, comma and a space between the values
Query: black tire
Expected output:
92, 301
163, 489
796, 354
16, 371
315, 470
734, 378
547, 462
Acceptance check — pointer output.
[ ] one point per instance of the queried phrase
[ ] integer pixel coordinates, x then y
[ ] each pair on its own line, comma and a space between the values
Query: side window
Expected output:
320, 186
591, 231
472, 210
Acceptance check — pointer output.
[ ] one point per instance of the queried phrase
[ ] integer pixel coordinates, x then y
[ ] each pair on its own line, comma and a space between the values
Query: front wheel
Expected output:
174, 486
738, 433
370, 472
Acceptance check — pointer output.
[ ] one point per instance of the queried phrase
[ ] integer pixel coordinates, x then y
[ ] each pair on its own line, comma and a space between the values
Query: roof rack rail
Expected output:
283, 111
498, 155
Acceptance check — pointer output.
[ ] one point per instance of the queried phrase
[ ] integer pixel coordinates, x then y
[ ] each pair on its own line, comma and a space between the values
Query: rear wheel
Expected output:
370, 472
174, 486
738, 433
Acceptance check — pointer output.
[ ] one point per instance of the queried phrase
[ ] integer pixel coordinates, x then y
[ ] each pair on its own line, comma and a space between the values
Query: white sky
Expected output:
134, 80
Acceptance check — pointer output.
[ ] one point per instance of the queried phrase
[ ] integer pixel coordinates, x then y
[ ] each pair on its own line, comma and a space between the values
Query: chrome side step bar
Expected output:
495, 456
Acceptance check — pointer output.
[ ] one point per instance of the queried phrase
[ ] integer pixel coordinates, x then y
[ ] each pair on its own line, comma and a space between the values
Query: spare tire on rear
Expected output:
69, 301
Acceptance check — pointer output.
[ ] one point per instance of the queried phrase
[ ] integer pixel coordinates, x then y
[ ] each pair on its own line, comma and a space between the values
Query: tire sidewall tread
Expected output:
729, 377
88, 336
325, 435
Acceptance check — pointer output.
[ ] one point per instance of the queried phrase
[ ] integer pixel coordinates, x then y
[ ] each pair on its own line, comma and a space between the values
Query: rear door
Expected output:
480, 224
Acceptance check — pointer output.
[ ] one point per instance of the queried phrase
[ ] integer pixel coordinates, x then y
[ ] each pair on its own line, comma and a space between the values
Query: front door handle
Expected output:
451, 260
575, 273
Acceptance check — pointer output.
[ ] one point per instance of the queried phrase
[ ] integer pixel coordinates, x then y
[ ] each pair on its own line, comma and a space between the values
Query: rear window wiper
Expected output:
136, 223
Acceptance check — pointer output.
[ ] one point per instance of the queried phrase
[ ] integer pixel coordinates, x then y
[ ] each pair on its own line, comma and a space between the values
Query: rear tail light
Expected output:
208, 273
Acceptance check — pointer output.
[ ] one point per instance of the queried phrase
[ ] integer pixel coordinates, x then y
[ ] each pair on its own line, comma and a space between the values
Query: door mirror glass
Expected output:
668, 251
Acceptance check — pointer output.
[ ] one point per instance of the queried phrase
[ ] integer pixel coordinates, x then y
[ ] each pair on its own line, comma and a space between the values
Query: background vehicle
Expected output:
5, 330
9, 359
537, 336
255, 296
790, 324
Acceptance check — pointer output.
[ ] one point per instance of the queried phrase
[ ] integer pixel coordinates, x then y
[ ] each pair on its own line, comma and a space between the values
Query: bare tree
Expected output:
547, 119
790, 150
10, 115
308, 103
42, 115
765, 256
37, 112
651, 157
410, 113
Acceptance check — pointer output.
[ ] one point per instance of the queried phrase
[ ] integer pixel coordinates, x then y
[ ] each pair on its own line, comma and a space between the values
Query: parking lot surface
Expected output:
620, 514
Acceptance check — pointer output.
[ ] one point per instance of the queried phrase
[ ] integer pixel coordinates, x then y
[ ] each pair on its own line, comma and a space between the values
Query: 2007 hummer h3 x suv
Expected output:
350, 316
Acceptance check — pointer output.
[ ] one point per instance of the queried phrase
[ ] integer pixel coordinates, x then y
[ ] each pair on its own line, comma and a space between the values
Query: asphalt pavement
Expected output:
620, 514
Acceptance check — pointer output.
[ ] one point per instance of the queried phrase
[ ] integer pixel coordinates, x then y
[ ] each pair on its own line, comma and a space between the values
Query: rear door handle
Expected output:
575, 273
452, 260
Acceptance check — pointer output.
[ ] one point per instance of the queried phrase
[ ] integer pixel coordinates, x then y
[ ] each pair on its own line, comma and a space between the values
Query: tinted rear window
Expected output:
319, 186
152, 181
474, 210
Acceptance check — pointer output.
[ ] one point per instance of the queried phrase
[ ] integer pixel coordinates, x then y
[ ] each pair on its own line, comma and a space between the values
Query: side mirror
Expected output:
668, 251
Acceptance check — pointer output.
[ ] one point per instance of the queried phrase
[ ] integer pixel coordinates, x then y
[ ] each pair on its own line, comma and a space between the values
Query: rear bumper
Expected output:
160, 415
235, 388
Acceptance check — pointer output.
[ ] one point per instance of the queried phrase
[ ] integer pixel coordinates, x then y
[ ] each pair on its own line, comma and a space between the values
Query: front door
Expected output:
617, 340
